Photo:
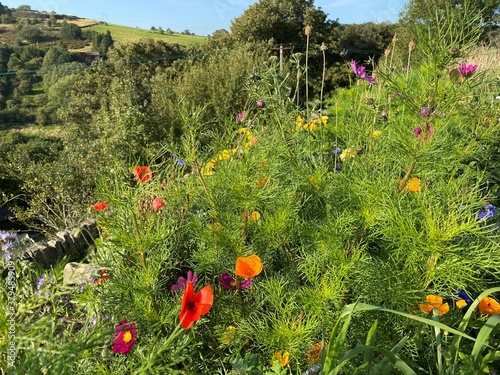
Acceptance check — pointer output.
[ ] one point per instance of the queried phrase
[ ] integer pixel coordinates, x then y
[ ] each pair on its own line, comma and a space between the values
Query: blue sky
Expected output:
202, 17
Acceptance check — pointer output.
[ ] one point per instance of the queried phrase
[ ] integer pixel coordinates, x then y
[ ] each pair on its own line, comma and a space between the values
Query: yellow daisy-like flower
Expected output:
348, 153
283, 359
224, 155
209, 168
376, 134
324, 120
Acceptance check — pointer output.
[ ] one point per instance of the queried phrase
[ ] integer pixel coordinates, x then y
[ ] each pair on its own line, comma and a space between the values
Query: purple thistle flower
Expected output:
425, 112
261, 103
417, 132
467, 70
360, 71
229, 282
384, 113
181, 282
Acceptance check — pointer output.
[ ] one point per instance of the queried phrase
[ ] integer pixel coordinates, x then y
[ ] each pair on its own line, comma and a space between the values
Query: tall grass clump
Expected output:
365, 241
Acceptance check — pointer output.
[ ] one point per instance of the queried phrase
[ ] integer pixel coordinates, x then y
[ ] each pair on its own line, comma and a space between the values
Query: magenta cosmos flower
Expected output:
181, 282
467, 70
124, 338
360, 71
229, 282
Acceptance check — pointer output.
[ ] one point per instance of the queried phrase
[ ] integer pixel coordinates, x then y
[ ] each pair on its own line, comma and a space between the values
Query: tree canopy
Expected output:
283, 22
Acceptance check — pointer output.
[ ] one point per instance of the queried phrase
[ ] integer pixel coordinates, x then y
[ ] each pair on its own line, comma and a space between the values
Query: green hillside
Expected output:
125, 34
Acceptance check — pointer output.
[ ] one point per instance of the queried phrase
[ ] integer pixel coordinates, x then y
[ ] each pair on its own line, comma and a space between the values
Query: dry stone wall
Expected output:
70, 243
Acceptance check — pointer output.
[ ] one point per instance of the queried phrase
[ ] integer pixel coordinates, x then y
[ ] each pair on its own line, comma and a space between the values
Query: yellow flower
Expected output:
324, 120
254, 216
282, 358
376, 134
413, 186
209, 168
224, 155
228, 335
347, 153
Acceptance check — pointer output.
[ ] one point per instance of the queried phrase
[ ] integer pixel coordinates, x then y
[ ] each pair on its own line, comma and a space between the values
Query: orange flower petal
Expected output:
489, 306
248, 267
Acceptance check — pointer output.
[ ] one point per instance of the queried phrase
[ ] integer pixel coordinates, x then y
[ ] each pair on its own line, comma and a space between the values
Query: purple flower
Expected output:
181, 282
8, 245
5, 235
338, 168
40, 282
417, 132
405, 68
8, 257
229, 282
467, 70
261, 103
425, 112
360, 71
384, 113
337, 151
241, 116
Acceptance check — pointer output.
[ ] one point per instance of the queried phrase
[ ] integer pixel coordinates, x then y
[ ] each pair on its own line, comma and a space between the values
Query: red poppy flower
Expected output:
124, 338
195, 305
100, 206
142, 173
102, 278
157, 204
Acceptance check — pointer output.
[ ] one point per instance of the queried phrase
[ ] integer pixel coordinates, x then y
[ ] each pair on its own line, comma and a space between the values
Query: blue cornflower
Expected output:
181, 162
338, 168
338, 150
461, 294
488, 213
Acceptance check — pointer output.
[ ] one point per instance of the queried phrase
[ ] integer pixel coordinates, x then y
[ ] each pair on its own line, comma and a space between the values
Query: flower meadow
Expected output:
357, 235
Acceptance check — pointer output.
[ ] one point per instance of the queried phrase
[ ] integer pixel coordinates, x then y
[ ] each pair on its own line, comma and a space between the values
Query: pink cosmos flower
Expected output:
229, 282
467, 70
124, 338
360, 71
181, 282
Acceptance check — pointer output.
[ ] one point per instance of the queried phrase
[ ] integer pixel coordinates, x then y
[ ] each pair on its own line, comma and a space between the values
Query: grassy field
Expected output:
126, 34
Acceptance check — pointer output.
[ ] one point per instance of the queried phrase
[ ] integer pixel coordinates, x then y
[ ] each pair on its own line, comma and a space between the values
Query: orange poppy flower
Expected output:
142, 173
195, 305
434, 302
314, 353
489, 306
100, 206
282, 358
248, 267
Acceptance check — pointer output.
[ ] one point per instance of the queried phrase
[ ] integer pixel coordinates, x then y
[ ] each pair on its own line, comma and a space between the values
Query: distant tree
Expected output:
153, 28
70, 31
101, 42
52, 21
367, 39
169, 31
284, 22
30, 33
24, 7
2, 10
160, 30
418, 12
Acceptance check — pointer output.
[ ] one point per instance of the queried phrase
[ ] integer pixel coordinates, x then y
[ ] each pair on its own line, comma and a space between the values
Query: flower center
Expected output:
191, 305
232, 283
127, 337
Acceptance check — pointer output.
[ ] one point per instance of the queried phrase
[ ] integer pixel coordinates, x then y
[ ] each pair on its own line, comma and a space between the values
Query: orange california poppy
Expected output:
489, 306
248, 267
100, 206
413, 186
434, 302
195, 305
142, 173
